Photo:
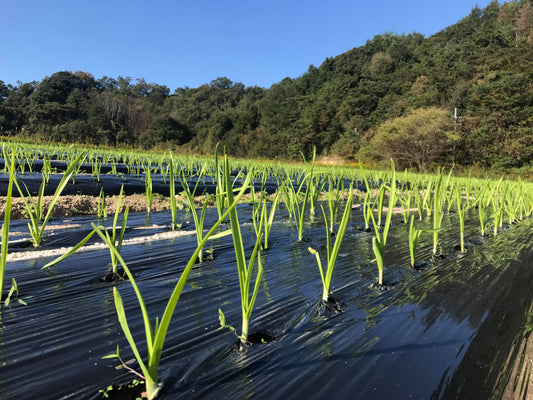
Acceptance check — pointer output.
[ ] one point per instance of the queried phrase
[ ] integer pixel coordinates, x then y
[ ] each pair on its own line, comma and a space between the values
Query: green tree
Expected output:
417, 139
16, 107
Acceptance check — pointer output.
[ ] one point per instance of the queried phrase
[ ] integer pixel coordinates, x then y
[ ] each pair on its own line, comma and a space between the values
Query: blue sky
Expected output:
181, 43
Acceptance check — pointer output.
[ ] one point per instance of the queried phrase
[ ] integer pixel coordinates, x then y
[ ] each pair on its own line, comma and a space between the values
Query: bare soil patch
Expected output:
70, 206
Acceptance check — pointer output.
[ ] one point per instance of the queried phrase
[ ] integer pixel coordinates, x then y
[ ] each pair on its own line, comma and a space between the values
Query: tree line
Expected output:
392, 97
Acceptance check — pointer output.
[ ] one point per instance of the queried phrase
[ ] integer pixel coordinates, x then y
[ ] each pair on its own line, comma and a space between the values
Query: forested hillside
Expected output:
393, 97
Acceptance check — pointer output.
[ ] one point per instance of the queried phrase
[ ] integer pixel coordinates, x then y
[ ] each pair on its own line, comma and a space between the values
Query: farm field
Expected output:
423, 289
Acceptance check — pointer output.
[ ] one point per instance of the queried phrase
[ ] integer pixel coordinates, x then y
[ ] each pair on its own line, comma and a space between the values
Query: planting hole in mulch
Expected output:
129, 391
457, 249
14, 297
362, 228
254, 339
111, 276
329, 307
422, 266
477, 241
439, 256
260, 337
207, 256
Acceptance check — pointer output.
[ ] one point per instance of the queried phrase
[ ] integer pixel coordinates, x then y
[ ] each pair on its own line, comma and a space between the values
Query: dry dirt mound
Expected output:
69, 206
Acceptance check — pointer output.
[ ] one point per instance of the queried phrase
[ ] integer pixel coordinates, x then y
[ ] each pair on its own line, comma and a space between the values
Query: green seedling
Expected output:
270, 220
13, 294
9, 159
332, 251
379, 241
317, 186
199, 220
438, 213
116, 237
220, 188
46, 170
368, 206
287, 191
380, 201
101, 205
245, 270
334, 197
173, 207
405, 201
461, 210
414, 236
301, 208
21, 162
97, 167
149, 187
426, 199
263, 215
114, 168
33, 207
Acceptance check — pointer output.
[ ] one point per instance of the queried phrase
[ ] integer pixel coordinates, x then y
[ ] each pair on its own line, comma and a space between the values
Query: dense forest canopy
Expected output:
392, 95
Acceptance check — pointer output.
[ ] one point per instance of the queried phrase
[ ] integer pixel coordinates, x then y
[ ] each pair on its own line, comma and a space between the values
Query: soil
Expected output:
75, 205
330, 307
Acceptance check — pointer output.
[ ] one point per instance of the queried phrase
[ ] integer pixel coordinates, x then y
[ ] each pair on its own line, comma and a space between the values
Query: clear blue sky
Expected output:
181, 43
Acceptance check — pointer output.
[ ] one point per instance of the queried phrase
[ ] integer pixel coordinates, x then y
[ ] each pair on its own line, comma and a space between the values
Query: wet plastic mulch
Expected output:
91, 185
458, 328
